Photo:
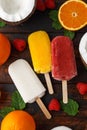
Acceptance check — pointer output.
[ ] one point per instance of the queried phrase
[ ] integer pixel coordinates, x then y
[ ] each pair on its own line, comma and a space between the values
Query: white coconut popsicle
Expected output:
27, 83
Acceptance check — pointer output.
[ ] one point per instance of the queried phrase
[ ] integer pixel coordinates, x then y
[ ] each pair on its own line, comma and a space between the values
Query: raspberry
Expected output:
40, 5
82, 88
19, 44
54, 105
50, 4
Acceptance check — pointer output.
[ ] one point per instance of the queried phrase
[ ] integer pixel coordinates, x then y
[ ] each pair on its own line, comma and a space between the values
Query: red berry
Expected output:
50, 4
19, 44
82, 88
54, 105
40, 5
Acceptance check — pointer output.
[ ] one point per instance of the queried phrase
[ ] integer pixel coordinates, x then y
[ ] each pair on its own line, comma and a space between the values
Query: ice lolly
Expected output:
63, 62
40, 50
27, 83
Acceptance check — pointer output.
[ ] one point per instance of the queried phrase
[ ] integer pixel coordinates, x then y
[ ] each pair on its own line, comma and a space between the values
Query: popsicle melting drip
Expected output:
40, 50
27, 83
63, 62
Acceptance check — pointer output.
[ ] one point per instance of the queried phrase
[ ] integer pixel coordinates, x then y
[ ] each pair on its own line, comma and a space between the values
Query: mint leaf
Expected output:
55, 22
4, 111
69, 34
53, 15
2, 24
56, 25
71, 108
16, 104
17, 101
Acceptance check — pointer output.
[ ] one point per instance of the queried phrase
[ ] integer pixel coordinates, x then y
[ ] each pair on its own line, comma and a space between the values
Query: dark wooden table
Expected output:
41, 21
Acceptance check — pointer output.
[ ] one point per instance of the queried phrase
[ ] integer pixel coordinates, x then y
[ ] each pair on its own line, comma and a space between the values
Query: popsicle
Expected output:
40, 50
63, 62
27, 83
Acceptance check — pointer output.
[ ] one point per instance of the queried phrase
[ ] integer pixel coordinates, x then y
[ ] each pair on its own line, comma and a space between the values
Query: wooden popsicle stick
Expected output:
64, 91
48, 82
43, 108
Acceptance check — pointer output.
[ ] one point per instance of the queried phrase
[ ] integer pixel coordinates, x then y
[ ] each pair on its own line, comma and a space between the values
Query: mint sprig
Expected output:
17, 101
53, 15
69, 33
5, 111
56, 25
71, 108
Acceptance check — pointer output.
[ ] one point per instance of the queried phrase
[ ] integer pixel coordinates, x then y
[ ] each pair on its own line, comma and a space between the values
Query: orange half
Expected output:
73, 14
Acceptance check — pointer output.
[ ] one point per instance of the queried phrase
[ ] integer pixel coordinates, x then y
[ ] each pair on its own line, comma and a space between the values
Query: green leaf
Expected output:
17, 101
53, 14
71, 108
5, 111
2, 24
56, 25
69, 34
55, 22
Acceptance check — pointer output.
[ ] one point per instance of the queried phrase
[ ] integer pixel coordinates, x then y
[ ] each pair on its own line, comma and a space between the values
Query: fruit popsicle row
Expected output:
56, 56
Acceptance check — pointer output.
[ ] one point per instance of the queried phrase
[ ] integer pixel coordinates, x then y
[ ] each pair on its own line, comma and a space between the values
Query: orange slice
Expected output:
73, 14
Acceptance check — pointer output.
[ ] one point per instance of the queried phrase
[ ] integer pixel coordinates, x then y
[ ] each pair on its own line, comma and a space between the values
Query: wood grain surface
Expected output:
40, 21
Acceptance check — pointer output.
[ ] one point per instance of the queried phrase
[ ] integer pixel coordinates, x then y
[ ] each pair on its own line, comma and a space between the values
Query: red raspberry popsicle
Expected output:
63, 62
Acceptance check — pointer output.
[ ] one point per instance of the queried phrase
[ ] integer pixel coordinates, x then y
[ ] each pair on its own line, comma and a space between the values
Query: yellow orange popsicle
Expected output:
40, 50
